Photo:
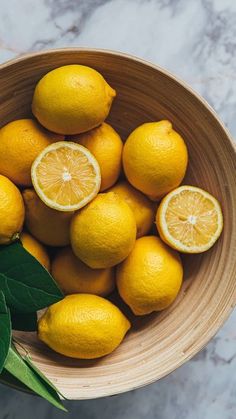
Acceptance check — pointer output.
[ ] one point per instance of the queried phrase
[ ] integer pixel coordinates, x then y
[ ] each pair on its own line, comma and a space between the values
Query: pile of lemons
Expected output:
69, 179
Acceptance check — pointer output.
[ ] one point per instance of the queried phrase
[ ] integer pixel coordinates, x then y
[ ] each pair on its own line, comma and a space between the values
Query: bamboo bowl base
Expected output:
159, 343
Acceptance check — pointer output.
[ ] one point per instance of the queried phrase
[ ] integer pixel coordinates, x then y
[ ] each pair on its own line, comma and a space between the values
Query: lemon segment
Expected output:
189, 219
66, 176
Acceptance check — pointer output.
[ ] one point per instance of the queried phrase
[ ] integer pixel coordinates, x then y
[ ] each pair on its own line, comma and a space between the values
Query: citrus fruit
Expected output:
36, 249
142, 207
189, 219
20, 143
66, 176
151, 276
74, 277
103, 233
106, 146
72, 99
12, 211
155, 158
83, 326
49, 226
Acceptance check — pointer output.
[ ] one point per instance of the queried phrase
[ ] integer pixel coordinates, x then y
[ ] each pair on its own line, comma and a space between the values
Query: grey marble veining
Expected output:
196, 39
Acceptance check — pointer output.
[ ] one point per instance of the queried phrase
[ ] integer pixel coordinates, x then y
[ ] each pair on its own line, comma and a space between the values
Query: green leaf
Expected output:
5, 330
24, 372
7, 379
24, 321
29, 361
26, 284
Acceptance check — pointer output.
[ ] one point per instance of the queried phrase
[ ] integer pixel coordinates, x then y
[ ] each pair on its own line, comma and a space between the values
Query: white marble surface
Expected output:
196, 39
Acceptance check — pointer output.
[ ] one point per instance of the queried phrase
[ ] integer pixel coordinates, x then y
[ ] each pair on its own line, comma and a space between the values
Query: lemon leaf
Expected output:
8, 380
28, 376
29, 361
5, 330
26, 284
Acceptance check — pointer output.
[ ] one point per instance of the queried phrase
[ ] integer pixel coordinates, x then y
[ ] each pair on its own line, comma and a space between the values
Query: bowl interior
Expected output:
158, 343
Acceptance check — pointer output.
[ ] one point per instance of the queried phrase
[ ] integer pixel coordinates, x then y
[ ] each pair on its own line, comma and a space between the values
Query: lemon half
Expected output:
66, 176
189, 219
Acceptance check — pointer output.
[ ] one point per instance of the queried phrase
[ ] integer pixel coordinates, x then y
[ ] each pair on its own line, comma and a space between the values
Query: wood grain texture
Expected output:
158, 343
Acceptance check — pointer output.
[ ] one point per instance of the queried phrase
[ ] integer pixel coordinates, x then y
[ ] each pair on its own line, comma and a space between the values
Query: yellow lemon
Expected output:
20, 143
189, 219
103, 233
74, 277
36, 249
12, 211
106, 146
72, 99
155, 158
49, 226
142, 207
66, 176
151, 276
83, 326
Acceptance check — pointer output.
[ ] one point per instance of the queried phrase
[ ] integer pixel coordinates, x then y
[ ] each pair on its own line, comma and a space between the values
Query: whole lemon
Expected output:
47, 225
151, 276
36, 249
72, 99
155, 158
83, 326
103, 233
20, 143
106, 146
142, 207
12, 211
73, 276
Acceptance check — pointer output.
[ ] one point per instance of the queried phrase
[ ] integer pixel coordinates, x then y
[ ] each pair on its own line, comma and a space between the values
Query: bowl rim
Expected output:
225, 315
132, 57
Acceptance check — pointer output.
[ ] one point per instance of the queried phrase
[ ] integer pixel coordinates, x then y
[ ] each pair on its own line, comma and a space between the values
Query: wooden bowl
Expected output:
159, 343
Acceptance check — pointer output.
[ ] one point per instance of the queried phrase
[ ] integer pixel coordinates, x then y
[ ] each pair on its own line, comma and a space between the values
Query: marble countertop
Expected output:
195, 39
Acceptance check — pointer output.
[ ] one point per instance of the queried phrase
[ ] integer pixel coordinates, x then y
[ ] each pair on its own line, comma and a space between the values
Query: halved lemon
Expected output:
66, 176
189, 219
